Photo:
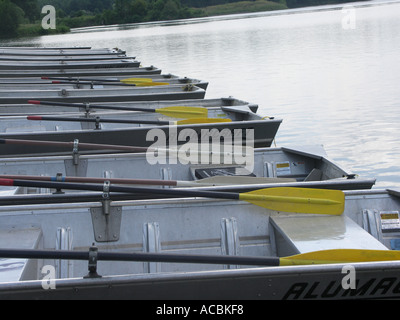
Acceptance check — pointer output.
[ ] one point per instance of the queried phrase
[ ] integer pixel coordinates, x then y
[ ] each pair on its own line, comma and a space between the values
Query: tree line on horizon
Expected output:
81, 13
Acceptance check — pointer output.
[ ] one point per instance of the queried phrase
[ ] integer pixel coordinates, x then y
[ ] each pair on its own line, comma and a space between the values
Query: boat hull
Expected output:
263, 170
50, 52
33, 109
264, 134
83, 64
88, 83
79, 72
198, 226
376, 281
170, 92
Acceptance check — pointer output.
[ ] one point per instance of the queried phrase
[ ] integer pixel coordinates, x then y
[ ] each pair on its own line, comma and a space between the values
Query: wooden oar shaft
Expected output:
82, 145
98, 187
125, 83
97, 83
95, 146
82, 105
97, 120
152, 182
127, 121
102, 80
172, 111
78, 79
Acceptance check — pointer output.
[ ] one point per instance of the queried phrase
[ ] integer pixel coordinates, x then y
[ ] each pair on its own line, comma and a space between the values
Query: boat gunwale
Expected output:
162, 278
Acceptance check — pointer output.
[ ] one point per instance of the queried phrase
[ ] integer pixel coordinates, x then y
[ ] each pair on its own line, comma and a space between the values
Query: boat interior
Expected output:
188, 226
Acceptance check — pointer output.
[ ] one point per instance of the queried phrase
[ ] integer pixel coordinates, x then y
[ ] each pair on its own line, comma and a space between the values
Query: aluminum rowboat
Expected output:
62, 58
307, 167
39, 65
49, 52
246, 127
198, 227
168, 92
80, 72
79, 82
34, 109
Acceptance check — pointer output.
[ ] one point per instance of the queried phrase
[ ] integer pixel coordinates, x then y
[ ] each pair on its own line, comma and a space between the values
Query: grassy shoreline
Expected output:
35, 30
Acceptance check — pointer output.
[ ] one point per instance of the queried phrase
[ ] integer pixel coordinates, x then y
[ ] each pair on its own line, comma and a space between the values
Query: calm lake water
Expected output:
332, 75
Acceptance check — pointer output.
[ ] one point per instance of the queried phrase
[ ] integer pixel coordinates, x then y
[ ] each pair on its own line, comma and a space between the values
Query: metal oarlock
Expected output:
97, 123
75, 152
106, 197
92, 265
106, 219
59, 178
87, 109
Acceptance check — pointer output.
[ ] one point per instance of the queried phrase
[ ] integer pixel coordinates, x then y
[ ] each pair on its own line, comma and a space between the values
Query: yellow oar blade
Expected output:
298, 200
340, 256
202, 120
147, 84
132, 80
184, 112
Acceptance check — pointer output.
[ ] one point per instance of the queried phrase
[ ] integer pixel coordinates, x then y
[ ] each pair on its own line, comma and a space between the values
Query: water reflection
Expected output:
332, 86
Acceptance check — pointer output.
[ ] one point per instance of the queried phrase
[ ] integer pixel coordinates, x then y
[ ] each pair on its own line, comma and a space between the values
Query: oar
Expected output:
332, 256
81, 145
127, 121
96, 146
127, 80
211, 181
174, 111
296, 200
151, 182
132, 84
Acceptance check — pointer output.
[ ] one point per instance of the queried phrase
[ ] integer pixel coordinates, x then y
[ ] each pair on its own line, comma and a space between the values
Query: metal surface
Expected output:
170, 92
80, 72
194, 225
106, 222
49, 52
241, 128
245, 108
64, 237
98, 82
63, 64
136, 166
277, 283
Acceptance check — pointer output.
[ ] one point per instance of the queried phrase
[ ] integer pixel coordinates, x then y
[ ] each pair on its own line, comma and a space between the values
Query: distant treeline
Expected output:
23, 17
206, 3
71, 7
128, 11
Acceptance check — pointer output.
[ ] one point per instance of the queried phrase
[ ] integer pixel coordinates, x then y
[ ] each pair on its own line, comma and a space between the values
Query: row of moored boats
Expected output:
119, 181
